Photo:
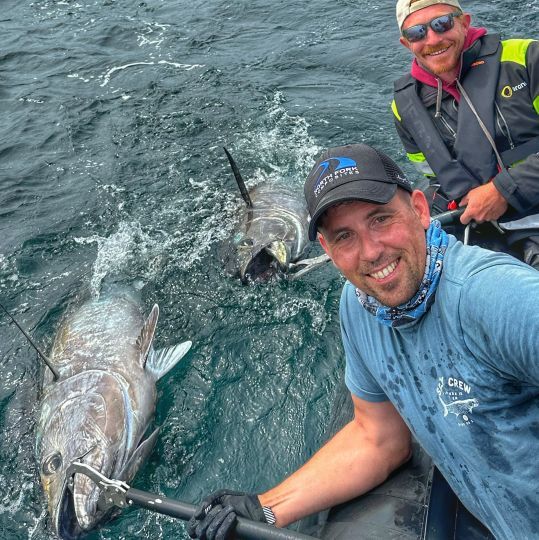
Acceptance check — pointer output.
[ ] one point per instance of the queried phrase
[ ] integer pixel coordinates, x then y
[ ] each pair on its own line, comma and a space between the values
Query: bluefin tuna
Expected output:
100, 409
272, 233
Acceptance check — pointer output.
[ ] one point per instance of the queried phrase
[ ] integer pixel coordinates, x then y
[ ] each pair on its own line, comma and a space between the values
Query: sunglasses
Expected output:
440, 25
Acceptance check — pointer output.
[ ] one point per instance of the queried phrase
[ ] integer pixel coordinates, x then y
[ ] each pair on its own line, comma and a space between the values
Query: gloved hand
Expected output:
215, 517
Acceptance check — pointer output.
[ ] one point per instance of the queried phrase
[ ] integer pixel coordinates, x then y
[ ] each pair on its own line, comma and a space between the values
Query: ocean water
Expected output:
114, 115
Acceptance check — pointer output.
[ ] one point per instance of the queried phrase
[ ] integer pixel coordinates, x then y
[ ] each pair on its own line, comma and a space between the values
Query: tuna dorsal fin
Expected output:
145, 338
140, 455
160, 362
241, 184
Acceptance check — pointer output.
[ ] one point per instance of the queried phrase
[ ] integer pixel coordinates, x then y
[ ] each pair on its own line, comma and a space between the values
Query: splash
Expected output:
8, 271
130, 253
214, 213
283, 144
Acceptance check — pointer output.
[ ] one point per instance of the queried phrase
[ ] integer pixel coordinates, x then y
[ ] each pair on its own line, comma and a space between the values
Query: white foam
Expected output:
283, 145
294, 306
130, 251
213, 210
12, 506
153, 34
8, 270
77, 76
111, 71
38, 524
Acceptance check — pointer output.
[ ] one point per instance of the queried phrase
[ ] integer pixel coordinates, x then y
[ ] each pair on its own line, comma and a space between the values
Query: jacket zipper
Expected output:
449, 128
505, 131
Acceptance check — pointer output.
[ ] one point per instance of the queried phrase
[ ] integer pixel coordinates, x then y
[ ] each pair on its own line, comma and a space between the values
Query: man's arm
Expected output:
517, 186
483, 203
359, 457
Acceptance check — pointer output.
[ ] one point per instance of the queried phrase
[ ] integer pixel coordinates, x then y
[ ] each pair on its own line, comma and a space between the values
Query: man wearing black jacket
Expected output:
468, 117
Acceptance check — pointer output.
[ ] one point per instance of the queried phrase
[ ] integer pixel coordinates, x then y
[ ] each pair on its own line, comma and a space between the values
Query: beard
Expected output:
397, 292
438, 66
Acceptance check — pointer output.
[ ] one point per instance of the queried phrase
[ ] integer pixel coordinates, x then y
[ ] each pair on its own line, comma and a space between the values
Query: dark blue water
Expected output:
114, 114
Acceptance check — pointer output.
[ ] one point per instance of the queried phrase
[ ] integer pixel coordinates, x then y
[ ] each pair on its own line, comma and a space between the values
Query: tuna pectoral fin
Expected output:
145, 338
162, 361
144, 449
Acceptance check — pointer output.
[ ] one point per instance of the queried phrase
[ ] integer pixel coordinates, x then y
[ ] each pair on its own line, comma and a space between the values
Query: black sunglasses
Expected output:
440, 24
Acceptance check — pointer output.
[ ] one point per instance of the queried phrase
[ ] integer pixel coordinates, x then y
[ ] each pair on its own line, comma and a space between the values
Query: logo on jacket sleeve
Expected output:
454, 397
507, 91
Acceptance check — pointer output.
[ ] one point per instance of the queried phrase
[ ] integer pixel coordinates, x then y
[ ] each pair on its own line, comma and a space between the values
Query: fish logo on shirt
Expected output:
453, 392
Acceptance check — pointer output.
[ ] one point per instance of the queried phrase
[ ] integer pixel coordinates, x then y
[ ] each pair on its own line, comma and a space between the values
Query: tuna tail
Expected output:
241, 184
160, 362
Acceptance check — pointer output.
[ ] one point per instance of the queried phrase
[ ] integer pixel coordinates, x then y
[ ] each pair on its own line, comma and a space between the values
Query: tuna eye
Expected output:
52, 464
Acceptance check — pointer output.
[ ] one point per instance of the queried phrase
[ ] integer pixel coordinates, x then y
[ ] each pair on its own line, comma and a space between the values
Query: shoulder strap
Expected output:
454, 178
477, 114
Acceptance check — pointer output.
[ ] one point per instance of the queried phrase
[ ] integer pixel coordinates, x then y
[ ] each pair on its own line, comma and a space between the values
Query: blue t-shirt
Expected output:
465, 378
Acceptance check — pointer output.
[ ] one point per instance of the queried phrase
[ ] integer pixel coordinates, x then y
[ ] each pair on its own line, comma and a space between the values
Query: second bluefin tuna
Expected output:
100, 408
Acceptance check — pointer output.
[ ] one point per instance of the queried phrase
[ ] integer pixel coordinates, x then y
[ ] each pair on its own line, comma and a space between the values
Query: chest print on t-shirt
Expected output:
455, 399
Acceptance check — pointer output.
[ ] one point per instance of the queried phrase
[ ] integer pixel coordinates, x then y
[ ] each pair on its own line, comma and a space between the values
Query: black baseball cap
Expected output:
348, 173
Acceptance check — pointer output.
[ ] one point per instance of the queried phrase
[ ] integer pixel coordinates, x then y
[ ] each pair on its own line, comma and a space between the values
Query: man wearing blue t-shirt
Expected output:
441, 342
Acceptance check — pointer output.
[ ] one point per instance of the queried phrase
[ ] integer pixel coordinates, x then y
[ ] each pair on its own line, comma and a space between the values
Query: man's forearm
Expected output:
519, 186
347, 466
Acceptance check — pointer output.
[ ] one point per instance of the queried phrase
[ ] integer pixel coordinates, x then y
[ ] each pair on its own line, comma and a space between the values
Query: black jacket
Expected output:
502, 80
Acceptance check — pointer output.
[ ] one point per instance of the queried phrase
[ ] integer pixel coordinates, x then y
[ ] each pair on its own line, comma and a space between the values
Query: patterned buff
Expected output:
419, 304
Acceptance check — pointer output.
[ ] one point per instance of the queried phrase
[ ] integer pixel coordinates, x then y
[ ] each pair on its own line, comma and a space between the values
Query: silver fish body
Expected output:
272, 234
102, 405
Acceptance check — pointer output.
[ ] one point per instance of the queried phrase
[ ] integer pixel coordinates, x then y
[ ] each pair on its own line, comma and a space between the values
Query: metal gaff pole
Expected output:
245, 529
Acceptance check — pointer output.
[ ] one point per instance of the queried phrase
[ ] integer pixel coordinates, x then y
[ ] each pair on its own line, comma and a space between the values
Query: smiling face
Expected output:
438, 53
379, 248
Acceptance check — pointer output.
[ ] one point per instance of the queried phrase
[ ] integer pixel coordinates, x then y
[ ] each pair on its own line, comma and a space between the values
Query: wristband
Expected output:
269, 515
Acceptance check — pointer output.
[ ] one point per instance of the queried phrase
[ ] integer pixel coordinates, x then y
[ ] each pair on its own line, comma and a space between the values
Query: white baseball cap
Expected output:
406, 7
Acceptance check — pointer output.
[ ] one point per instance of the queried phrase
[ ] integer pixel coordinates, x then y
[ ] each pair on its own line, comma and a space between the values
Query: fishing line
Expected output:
30, 340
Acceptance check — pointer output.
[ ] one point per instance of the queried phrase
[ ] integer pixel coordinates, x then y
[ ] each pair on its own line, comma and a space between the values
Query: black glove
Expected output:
216, 515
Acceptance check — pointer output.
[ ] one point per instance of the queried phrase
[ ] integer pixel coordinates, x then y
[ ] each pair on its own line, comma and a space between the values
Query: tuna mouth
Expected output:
66, 523
265, 263
77, 508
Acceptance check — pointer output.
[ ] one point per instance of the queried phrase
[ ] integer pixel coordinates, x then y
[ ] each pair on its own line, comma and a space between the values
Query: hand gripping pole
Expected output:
118, 493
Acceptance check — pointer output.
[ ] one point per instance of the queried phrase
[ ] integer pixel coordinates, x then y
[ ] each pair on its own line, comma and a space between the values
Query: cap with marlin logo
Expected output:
347, 173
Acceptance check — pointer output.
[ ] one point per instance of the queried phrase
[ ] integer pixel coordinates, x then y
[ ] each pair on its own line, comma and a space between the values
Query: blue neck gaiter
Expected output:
418, 305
